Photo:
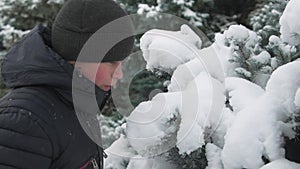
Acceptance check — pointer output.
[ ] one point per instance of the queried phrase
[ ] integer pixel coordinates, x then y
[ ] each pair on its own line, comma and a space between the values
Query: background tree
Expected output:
19, 16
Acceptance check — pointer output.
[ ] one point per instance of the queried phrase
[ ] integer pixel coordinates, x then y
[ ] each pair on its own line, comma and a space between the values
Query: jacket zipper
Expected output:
94, 163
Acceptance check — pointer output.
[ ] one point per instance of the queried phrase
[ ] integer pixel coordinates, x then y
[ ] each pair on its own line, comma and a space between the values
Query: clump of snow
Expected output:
119, 154
262, 58
149, 163
146, 126
184, 74
290, 28
257, 129
221, 126
241, 92
286, 49
189, 13
213, 154
297, 98
280, 164
283, 85
207, 61
283, 52
224, 54
243, 71
140, 162
242, 35
194, 114
239, 33
247, 140
168, 49
145, 8
275, 40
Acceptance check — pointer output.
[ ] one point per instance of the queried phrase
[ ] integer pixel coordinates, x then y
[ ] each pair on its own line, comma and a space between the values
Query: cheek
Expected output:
102, 77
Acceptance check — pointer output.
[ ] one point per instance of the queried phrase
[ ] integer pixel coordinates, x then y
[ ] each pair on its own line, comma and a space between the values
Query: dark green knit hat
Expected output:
78, 20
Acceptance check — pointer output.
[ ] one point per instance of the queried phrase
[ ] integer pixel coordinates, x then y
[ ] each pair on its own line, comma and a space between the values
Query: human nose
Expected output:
118, 74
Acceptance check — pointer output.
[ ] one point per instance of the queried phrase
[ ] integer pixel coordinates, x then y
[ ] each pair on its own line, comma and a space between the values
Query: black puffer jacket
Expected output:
39, 128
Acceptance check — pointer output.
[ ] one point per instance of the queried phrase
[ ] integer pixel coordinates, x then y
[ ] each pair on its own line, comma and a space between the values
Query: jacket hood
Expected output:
31, 61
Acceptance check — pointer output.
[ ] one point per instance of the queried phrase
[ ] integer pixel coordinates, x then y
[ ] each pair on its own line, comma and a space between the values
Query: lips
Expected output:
106, 87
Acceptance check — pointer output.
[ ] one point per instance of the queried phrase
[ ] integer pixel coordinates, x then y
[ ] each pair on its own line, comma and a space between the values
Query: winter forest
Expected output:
224, 97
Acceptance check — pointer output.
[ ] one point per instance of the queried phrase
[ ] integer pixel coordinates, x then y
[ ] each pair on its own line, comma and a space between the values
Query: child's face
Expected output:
104, 75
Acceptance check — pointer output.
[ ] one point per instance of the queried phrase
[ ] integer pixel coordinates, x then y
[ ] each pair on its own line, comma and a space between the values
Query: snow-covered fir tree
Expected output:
258, 111
265, 18
256, 54
265, 22
246, 57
